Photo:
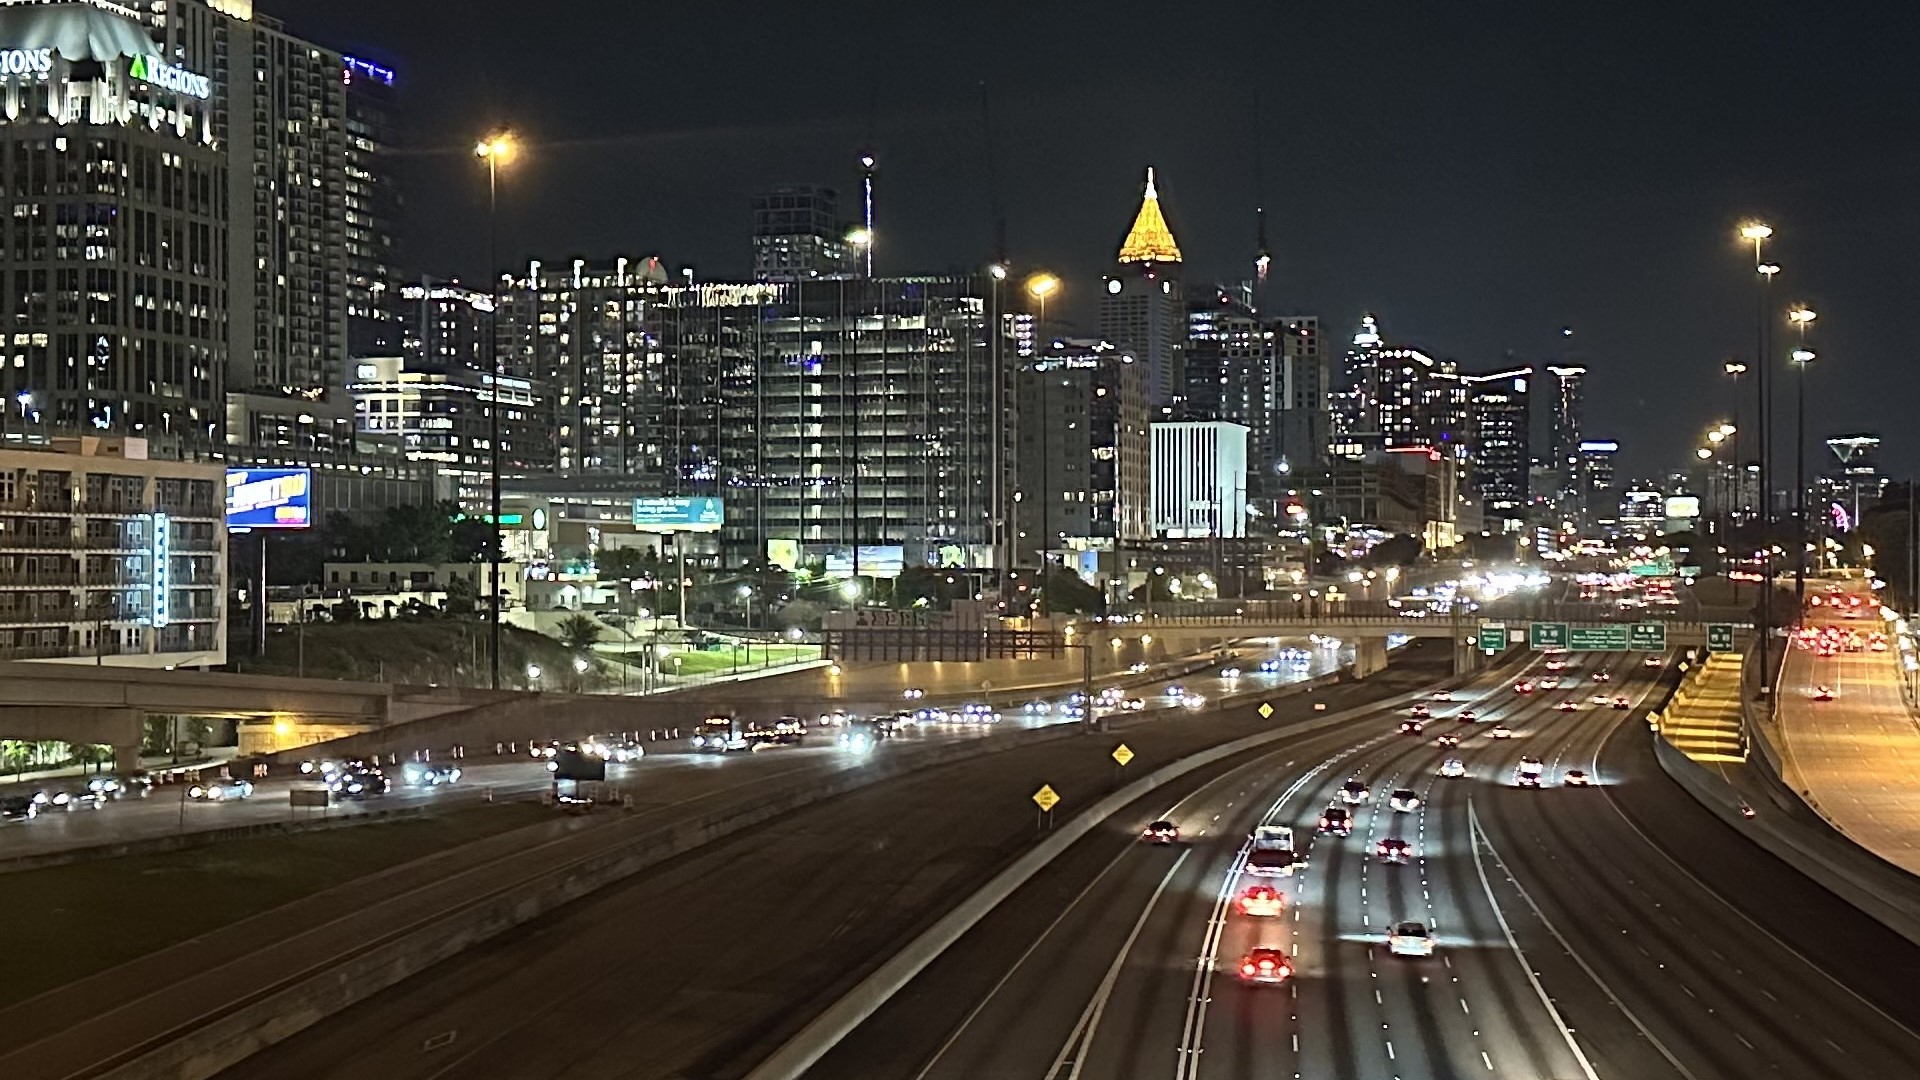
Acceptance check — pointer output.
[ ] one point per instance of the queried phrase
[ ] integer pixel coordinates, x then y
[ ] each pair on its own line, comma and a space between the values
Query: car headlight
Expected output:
196, 791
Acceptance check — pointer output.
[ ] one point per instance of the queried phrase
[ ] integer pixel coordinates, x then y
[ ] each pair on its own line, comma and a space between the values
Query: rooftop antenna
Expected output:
867, 162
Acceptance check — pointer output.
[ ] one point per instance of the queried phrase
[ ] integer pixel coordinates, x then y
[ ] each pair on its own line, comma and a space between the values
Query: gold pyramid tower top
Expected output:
1149, 241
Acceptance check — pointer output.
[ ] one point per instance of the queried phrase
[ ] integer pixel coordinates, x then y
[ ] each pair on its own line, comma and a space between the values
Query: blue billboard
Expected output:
269, 498
674, 513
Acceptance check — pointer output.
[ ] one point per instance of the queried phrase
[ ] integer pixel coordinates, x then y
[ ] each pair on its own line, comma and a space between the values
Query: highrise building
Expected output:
443, 325
798, 233
1143, 308
372, 209
1500, 427
1085, 453
1306, 418
1235, 375
1199, 486
1566, 411
439, 413
1391, 397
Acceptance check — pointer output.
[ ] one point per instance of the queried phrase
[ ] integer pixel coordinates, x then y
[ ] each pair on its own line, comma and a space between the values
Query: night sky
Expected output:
1478, 175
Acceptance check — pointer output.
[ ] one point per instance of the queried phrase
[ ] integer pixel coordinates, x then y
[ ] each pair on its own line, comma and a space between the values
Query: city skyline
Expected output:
1475, 219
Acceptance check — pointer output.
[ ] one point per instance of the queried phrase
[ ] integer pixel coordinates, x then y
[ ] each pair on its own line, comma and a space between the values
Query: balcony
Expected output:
11, 541
112, 508
48, 507
50, 615
45, 579
190, 508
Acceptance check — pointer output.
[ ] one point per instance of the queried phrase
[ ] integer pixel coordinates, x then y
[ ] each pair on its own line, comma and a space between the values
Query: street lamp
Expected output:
496, 150
1040, 286
1801, 357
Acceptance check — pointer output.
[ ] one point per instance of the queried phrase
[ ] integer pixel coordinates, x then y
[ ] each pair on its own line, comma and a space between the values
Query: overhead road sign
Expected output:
1598, 639
1493, 637
1719, 637
1547, 635
1647, 637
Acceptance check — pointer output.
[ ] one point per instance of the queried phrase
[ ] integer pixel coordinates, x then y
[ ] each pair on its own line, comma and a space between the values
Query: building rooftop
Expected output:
1149, 241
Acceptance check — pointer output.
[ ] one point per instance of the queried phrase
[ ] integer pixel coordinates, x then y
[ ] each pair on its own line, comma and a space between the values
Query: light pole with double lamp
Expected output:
496, 150
1040, 286
1800, 317
1759, 232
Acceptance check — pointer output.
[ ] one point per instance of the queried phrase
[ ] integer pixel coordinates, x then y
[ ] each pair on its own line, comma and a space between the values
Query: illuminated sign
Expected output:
162, 580
1683, 506
269, 498
701, 514
153, 70
353, 64
876, 560
26, 61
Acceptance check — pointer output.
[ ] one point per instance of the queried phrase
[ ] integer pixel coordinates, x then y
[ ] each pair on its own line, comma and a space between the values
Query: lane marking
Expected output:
1477, 835
1081, 1042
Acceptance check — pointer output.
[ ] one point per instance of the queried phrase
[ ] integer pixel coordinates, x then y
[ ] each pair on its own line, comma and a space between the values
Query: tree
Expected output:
463, 596
1402, 550
578, 633
920, 586
470, 540
1067, 593
1157, 589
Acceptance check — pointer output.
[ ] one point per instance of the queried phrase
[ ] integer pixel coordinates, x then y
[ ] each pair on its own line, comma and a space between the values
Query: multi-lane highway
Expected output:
671, 770
1608, 931
1855, 749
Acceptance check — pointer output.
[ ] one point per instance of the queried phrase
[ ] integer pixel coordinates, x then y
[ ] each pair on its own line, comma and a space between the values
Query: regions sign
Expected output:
1597, 638
157, 72
269, 499
675, 514
26, 61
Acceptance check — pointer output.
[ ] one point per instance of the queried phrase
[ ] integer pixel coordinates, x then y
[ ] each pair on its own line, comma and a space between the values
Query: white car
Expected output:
1410, 939
221, 790
1230, 673
1443, 695
1193, 701
1501, 731
1452, 768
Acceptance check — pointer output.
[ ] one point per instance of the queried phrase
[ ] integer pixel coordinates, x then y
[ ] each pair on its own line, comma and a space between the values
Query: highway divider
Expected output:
160, 845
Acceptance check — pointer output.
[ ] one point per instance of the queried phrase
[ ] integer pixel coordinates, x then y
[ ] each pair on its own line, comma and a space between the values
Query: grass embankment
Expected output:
448, 652
730, 658
89, 916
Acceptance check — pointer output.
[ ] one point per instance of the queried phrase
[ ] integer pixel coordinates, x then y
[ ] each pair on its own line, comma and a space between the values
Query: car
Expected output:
1529, 773
1443, 695
1334, 819
538, 748
1653, 662
1161, 832
222, 790
1603, 675
1038, 708
1132, 704
1410, 939
624, 751
1575, 778
1403, 800
1193, 701
1452, 768
835, 718
912, 693
978, 712
1447, 739
1524, 686
1621, 703
1230, 673
1823, 693
18, 808
1568, 705
1137, 668
1467, 716
1556, 665
428, 774
1353, 791
1262, 901
1393, 850
1420, 712
134, 785
1269, 667
107, 787
1411, 727
1176, 691
1266, 965
361, 781
1501, 731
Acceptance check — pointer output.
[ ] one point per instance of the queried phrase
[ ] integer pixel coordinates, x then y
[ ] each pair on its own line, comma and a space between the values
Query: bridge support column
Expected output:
1467, 659
1369, 656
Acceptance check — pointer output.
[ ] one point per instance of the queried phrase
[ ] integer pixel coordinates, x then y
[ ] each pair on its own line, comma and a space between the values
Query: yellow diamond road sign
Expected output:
1122, 754
1266, 710
1045, 797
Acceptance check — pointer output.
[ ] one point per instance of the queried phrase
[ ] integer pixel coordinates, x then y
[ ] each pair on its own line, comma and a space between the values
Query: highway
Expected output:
702, 961
1858, 755
1582, 933
671, 770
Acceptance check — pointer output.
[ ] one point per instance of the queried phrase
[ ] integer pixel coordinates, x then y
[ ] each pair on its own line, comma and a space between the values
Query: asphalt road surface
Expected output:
668, 772
1613, 931
698, 967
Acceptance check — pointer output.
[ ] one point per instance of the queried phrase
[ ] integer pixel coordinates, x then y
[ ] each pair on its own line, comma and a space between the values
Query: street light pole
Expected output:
1802, 356
1758, 233
1734, 370
1040, 286
494, 150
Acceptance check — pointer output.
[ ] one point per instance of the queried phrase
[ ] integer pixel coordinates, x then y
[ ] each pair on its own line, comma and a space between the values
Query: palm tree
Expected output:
579, 634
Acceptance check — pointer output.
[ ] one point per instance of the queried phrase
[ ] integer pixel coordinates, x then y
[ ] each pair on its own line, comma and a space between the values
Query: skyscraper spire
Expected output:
1149, 241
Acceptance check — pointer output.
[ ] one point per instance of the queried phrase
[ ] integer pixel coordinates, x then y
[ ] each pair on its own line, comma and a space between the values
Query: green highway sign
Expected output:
1719, 637
1647, 637
1493, 637
1597, 639
1547, 635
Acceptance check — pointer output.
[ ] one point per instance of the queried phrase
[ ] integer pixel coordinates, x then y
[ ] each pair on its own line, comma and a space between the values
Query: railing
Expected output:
37, 541
48, 507
189, 508
43, 616
50, 580
119, 507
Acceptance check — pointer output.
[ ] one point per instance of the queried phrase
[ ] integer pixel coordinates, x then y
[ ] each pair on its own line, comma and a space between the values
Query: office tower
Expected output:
1306, 416
1143, 309
797, 233
1566, 409
372, 209
1085, 454
1199, 486
1235, 374
116, 311
439, 413
1500, 432
443, 325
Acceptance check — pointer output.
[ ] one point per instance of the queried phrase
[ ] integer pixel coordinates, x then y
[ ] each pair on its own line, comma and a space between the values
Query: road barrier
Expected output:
160, 845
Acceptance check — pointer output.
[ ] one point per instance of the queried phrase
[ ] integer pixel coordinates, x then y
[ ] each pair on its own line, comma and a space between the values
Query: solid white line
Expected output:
1473, 824
1098, 1006
1519, 955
